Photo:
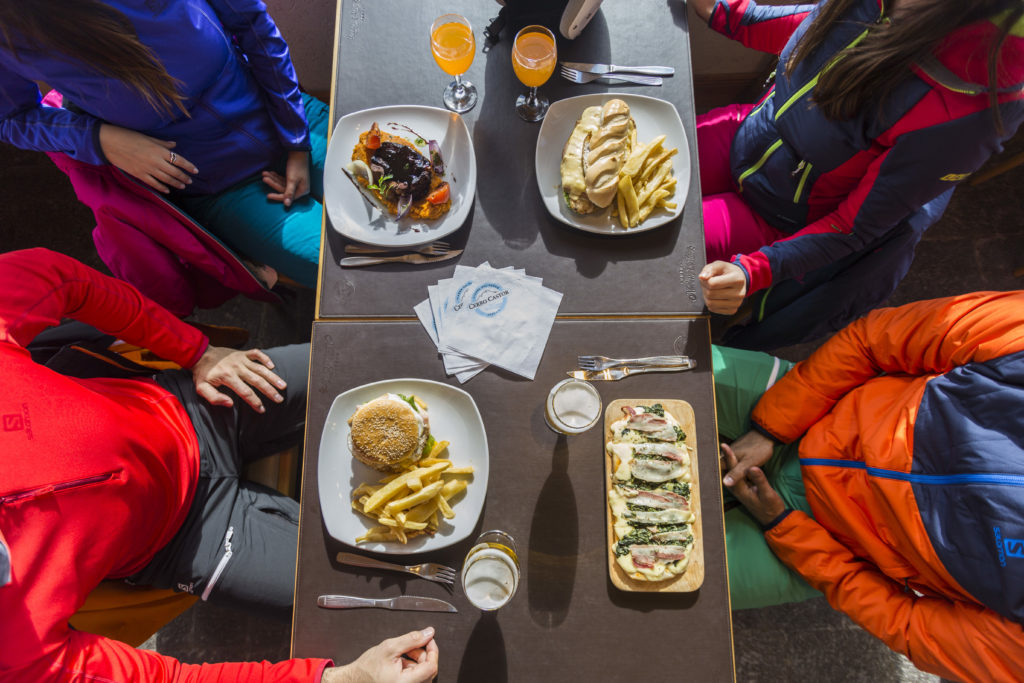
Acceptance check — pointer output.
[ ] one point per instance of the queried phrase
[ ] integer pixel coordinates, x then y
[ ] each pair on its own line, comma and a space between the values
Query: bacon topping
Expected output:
644, 556
663, 500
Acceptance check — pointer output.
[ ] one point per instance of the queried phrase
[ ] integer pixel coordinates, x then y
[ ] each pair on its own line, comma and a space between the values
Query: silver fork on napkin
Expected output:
430, 571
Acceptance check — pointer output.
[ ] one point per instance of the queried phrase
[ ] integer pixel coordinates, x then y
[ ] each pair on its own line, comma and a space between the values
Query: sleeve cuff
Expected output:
775, 522
764, 432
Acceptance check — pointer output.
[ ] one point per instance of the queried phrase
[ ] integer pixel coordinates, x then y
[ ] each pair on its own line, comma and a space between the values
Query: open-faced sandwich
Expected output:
649, 494
402, 180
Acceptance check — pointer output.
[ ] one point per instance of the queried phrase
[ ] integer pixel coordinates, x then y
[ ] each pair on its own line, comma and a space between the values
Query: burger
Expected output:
390, 432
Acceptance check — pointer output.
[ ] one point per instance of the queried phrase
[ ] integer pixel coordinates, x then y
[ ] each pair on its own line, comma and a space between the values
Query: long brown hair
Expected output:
882, 60
95, 35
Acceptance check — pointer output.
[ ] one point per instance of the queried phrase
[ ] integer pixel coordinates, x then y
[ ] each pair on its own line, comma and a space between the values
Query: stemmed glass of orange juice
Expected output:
533, 59
453, 47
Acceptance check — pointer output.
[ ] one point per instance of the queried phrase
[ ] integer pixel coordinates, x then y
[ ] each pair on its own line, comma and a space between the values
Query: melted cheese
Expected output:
623, 448
573, 181
607, 151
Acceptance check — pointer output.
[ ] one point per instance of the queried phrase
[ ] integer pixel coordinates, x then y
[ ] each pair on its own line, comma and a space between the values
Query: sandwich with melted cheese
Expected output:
595, 152
389, 432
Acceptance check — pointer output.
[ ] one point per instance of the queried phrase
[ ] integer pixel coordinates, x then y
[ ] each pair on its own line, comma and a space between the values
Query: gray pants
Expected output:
237, 545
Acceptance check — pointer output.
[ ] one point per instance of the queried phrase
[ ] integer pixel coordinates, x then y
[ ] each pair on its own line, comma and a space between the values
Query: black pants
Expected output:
237, 545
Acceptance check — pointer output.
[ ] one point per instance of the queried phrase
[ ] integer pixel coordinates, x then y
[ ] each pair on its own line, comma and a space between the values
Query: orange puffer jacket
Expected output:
912, 455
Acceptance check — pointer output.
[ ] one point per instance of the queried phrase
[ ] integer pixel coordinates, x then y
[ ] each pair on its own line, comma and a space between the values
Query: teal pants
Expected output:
756, 577
287, 239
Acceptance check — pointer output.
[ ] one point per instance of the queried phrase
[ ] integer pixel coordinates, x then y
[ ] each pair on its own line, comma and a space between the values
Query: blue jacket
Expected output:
838, 187
234, 69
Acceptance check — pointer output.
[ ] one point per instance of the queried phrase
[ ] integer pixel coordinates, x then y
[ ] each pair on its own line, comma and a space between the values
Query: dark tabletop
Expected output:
383, 58
567, 621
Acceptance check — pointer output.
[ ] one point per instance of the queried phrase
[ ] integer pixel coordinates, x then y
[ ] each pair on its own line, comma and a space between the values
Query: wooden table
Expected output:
567, 622
509, 225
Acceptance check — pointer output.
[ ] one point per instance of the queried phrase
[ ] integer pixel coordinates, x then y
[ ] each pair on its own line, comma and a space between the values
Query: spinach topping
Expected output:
656, 409
641, 508
635, 537
650, 456
680, 434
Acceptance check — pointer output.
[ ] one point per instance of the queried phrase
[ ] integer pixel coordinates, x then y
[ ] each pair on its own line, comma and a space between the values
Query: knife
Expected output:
614, 374
402, 602
615, 69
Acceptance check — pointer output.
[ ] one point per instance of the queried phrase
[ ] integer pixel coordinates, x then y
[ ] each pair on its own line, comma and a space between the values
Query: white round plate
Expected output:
354, 217
653, 117
454, 417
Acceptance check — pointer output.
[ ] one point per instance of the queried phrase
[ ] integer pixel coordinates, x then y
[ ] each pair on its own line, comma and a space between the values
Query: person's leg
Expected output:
238, 541
756, 577
287, 239
283, 424
318, 118
715, 131
732, 227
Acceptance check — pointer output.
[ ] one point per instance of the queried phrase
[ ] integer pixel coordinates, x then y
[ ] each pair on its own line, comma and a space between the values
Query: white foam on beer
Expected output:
490, 579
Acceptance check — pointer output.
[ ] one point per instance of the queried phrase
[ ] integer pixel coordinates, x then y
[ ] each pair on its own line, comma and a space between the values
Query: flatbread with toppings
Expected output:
652, 501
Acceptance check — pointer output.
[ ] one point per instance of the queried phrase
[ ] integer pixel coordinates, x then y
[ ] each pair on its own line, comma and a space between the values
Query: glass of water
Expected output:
490, 573
573, 406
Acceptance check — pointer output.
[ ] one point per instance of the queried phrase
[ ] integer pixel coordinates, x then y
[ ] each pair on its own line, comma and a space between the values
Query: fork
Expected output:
438, 248
625, 371
603, 362
431, 571
577, 76
354, 261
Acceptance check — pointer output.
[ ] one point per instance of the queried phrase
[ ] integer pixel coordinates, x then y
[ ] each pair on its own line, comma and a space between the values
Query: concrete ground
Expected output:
976, 246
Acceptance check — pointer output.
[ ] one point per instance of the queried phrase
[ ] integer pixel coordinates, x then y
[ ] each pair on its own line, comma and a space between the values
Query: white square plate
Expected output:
653, 117
353, 216
454, 417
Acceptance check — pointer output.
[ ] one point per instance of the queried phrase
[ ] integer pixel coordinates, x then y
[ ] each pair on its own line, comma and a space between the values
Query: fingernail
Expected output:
727, 481
189, 181
277, 397
261, 409
428, 632
281, 384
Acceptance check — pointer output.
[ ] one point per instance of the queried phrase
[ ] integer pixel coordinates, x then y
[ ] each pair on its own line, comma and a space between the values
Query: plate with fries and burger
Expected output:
403, 466
613, 163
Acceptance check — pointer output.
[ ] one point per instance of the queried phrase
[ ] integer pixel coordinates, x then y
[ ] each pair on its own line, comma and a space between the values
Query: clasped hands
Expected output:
741, 463
154, 162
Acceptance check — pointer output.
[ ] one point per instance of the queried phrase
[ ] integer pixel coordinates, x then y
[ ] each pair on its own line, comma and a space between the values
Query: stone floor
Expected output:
976, 246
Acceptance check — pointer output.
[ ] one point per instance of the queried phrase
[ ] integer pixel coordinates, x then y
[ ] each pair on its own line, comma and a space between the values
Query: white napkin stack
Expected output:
485, 315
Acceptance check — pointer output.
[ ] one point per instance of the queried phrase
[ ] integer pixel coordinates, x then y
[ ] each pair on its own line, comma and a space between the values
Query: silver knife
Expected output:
356, 261
614, 374
616, 69
402, 602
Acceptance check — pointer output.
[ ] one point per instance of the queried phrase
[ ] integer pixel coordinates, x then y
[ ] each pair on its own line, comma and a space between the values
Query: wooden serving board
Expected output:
693, 577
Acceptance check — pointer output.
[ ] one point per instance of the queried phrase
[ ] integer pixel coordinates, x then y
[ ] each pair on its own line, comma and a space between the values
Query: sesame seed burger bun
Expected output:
387, 434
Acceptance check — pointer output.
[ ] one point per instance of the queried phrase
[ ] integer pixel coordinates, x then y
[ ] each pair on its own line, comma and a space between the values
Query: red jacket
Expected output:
96, 476
913, 462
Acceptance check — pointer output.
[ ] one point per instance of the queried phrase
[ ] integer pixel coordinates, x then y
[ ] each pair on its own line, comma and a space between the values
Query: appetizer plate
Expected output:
653, 117
454, 417
353, 216
693, 577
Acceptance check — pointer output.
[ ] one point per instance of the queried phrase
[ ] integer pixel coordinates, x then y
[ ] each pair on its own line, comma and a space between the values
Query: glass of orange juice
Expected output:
533, 59
453, 47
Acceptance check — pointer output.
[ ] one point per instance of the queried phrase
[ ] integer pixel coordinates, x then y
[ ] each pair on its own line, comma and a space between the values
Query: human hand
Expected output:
757, 495
239, 371
750, 450
148, 159
411, 658
295, 184
724, 286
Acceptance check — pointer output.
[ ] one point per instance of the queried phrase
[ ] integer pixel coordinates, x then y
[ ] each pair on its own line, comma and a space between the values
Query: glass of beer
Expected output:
453, 46
490, 573
573, 406
533, 59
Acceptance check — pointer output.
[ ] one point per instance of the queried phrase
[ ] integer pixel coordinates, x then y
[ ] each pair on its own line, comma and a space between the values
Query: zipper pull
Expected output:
798, 169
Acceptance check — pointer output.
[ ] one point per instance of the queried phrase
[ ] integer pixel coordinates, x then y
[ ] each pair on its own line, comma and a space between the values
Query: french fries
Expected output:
646, 182
413, 501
